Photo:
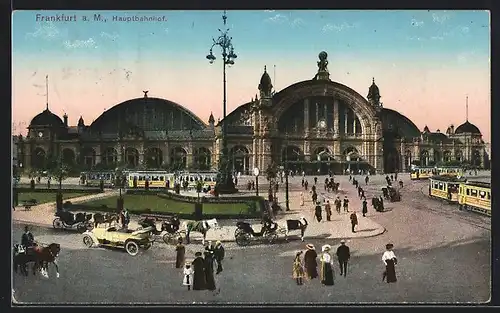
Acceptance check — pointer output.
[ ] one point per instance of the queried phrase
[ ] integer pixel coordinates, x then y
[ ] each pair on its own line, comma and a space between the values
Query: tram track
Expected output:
443, 211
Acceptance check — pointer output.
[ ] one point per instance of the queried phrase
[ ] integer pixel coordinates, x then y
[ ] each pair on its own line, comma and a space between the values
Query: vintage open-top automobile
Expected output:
130, 240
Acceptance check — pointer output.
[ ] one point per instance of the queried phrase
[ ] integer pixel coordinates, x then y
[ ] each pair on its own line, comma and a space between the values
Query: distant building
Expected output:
316, 125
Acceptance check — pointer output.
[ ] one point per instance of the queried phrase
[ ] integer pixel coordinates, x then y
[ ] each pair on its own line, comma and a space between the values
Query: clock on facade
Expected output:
40, 134
322, 124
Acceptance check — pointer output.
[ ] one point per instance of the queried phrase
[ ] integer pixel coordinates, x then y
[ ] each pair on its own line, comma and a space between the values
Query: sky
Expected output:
425, 62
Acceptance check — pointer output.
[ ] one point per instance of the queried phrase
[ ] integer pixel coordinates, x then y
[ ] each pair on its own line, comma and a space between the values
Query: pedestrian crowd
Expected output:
199, 274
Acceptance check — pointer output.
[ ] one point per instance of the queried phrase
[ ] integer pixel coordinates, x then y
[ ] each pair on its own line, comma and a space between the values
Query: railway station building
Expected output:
316, 125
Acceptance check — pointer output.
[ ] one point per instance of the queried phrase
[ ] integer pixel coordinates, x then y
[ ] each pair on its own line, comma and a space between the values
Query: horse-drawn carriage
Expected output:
244, 233
391, 194
67, 220
169, 225
39, 254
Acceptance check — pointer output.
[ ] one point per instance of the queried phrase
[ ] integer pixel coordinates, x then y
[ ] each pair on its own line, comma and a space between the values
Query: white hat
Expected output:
326, 248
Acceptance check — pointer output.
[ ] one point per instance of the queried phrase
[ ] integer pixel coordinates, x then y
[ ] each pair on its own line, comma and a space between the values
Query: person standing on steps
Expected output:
343, 255
354, 221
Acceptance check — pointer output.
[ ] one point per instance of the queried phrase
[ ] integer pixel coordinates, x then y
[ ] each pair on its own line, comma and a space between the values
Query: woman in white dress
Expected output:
327, 273
390, 261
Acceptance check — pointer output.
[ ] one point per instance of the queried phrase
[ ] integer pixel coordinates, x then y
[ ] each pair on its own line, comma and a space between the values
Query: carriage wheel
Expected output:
271, 238
132, 247
81, 228
169, 239
57, 223
87, 241
243, 239
237, 232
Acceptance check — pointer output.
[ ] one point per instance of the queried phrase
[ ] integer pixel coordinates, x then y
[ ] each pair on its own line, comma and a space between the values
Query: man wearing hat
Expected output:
389, 259
310, 262
199, 282
27, 240
219, 255
343, 255
354, 221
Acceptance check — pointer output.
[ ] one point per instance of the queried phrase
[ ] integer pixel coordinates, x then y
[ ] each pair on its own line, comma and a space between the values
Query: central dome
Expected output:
47, 118
467, 127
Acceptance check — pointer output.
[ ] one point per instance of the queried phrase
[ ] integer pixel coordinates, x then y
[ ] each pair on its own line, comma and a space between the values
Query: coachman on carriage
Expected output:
170, 225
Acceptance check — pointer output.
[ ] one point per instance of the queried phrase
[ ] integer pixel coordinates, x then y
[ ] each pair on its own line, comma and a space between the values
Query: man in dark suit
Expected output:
343, 255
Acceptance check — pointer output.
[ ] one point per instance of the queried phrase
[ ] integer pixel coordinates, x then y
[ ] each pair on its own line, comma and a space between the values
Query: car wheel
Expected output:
132, 247
87, 241
57, 223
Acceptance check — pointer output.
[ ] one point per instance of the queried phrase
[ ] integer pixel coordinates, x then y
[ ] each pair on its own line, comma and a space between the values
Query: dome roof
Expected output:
467, 127
373, 91
265, 82
47, 118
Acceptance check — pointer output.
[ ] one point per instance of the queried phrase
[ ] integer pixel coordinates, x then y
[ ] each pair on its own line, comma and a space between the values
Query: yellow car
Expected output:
130, 240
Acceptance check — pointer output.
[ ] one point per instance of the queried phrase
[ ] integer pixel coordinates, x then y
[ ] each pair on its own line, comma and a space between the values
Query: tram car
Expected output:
445, 187
156, 179
93, 178
419, 172
208, 179
452, 171
475, 196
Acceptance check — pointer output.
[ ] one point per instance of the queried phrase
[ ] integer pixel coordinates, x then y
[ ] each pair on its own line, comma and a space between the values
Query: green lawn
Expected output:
45, 197
161, 205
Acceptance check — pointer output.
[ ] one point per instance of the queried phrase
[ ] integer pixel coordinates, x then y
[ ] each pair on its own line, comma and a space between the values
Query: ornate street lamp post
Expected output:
287, 202
225, 183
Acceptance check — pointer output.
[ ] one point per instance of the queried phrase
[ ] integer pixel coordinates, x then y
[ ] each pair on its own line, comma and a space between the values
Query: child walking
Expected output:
188, 275
298, 269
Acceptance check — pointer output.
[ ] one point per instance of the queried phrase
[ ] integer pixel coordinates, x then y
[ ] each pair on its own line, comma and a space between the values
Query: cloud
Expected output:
45, 30
337, 27
440, 18
278, 19
297, 22
75, 44
112, 36
416, 23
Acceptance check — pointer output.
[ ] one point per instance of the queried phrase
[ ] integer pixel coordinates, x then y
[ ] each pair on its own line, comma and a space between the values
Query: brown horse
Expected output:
44, 256
109, 218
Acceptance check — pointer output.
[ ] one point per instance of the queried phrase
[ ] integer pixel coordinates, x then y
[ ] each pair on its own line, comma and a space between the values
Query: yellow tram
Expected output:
208, 179
475, 196
94, 178
445, 187
450, 170
419, 172
156, 179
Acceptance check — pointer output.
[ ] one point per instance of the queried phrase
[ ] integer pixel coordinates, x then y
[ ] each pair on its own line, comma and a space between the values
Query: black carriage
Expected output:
67, 220
244, 233
170, 225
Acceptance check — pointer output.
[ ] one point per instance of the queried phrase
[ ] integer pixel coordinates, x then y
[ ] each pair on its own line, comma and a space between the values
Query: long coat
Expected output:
180, 255
209, 271
354, 219
310, 264
298, 268
365, 207
199, 280
327, 273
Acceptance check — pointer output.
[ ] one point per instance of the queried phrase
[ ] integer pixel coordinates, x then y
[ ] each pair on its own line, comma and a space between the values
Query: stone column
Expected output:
306, 116
325, 114
336, 116
345, 122
141, 155
254, 153
317, 114
97, 154
354, 124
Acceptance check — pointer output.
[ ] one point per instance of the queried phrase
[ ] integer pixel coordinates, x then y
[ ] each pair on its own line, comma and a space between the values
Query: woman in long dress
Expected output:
327, 273
180, 250
310, 262
209, 270
389, 259
298, 269
199, 280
